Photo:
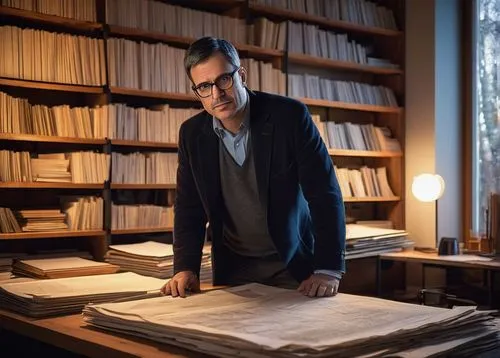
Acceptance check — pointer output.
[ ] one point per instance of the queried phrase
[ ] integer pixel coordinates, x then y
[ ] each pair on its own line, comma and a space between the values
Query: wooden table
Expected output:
432, 259
72, 334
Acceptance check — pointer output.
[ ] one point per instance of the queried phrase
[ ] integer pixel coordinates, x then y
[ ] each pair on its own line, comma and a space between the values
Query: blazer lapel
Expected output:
261, 134
208, 162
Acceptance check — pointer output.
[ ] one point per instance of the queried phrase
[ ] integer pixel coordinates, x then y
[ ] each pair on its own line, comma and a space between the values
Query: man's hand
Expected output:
180, 283
319, 285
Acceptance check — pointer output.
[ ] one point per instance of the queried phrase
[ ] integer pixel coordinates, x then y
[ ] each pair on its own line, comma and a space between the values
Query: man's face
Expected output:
224, 104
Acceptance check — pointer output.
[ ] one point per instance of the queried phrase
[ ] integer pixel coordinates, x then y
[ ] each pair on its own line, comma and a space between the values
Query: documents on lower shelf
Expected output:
68, 295
61, 267
364, 240
261, 321
152, 258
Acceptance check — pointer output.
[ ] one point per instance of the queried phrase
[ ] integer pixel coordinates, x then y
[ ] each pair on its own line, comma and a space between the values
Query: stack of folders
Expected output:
262, 321
40, 298
61, 267
152, 258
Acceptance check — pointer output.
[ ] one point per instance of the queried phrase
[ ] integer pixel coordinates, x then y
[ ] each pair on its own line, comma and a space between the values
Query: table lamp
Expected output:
428, 187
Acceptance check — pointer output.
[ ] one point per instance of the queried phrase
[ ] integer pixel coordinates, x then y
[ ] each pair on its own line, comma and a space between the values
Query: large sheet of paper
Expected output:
255, 320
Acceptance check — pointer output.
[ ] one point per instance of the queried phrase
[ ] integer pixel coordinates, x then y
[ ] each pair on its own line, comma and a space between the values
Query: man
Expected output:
254, 167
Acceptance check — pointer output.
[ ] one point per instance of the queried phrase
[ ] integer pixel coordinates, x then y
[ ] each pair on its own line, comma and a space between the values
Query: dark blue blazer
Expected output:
296, 183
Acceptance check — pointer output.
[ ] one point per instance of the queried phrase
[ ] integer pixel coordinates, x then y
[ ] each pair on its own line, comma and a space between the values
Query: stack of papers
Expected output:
5, 264
148, 258
61, 267
364, 241
154, 259
206, 264
41, 298
260, 321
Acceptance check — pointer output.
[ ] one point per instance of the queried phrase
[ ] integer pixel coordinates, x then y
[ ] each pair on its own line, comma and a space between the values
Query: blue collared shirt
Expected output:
236, 144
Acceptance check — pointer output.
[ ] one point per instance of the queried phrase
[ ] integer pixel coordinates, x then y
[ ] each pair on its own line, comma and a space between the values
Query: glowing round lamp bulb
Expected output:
427, 187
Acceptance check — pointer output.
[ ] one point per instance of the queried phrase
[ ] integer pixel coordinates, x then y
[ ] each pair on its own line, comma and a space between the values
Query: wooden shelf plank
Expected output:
371, 199
133, 143
141, 34
145, 35
321, 21
258, 52
363, 153
210, 4
40, 18
44, 185
152, 94
11, 82
51, 234
143, 230
303, 59
49, 139
350, 106
143, 186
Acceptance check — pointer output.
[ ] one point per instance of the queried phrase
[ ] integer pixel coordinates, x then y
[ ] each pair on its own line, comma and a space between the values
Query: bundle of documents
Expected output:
5, 263
152, 258
206, 264
68, 295
148, 258
61, 267
42, 220
261, 321
364, 240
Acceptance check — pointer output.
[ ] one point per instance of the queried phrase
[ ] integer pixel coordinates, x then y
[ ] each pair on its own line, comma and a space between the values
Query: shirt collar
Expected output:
221, 131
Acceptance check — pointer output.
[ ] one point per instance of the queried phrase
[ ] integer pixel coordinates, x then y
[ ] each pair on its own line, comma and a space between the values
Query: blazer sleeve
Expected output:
190, 219
322, 192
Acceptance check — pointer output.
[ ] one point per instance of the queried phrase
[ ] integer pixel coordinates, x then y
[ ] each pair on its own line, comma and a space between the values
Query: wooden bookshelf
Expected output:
51, 234
390, 42
45, 185
319, 62
284, 14
350, 106
61, 87
50, 139
363, 153
44, 19
143, 230
142, 186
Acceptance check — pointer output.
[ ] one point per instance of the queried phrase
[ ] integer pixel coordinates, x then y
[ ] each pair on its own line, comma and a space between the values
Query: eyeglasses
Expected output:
223, 82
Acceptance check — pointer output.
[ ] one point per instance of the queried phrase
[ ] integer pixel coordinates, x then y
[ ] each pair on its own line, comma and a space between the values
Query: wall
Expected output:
433, 115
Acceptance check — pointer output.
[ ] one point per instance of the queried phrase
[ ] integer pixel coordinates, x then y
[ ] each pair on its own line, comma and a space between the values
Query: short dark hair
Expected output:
200, 50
